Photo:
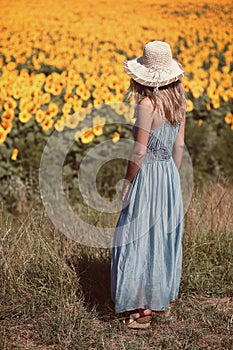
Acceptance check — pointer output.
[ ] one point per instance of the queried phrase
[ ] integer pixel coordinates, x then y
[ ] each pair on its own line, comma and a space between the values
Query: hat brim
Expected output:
153, 77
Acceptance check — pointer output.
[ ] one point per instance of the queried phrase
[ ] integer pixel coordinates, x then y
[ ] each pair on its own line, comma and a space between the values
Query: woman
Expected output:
147, 252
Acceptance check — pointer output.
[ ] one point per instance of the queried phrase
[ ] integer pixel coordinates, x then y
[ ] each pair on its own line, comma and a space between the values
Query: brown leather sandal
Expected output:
136, 321
162, 313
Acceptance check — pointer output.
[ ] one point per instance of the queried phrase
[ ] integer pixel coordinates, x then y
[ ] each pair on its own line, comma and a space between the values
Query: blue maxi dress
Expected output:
147, 249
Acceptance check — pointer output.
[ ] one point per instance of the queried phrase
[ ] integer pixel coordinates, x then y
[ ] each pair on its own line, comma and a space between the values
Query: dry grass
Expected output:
211, 209
55, 293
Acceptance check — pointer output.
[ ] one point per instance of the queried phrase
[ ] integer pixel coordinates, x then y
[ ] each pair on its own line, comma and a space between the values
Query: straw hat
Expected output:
156, 67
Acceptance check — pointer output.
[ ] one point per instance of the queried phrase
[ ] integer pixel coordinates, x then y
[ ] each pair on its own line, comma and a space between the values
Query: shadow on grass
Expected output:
94, 280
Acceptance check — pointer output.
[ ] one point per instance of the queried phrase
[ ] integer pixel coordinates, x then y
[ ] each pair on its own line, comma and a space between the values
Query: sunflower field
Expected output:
59, 60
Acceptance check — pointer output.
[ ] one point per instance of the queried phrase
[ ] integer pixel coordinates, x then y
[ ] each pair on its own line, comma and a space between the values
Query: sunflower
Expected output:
11, 66
10, 104
7, 125
31, 107
117, 98
115, 137
24, 116
48, 87
98, 101
108, 97
14, 154
59, 125
216, 101
85, 95
229, 118
189, 105
24, 101
226, 69
87, 135
64, 117
68, 94
96, 93
72, 121
56, 90
66, 108
8, 115
47, 124
98, 130
225, 97
82, 113
77, 105
45, 98
120, 90
36, 64
80, 89
40, 115
24, 73
53, 109
211, 89
197, 91
113, 82
3, 135
62, 82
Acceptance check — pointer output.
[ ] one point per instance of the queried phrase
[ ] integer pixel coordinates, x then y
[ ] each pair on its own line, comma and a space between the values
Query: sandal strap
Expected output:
137, 318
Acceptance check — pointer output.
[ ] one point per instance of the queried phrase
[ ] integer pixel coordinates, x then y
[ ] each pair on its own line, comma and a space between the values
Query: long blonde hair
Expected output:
172, 97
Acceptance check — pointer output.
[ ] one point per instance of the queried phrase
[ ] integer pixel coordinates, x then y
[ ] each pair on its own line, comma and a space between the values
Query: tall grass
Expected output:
55, 292
208, 242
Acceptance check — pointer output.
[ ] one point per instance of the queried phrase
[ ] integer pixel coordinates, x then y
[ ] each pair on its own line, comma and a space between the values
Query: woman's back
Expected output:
162, 134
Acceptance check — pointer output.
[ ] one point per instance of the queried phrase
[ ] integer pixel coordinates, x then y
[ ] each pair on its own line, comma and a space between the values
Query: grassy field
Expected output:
57, 61
55, 293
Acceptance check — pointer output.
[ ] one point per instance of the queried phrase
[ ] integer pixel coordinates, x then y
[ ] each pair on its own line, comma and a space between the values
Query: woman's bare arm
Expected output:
178, 147
143, 123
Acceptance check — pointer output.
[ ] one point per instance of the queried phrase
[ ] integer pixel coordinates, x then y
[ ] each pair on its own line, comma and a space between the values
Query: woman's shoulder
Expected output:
145, 105
145, 102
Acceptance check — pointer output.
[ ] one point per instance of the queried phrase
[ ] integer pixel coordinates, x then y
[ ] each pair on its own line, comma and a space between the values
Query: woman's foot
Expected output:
165, 313
145, 312
139, 320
